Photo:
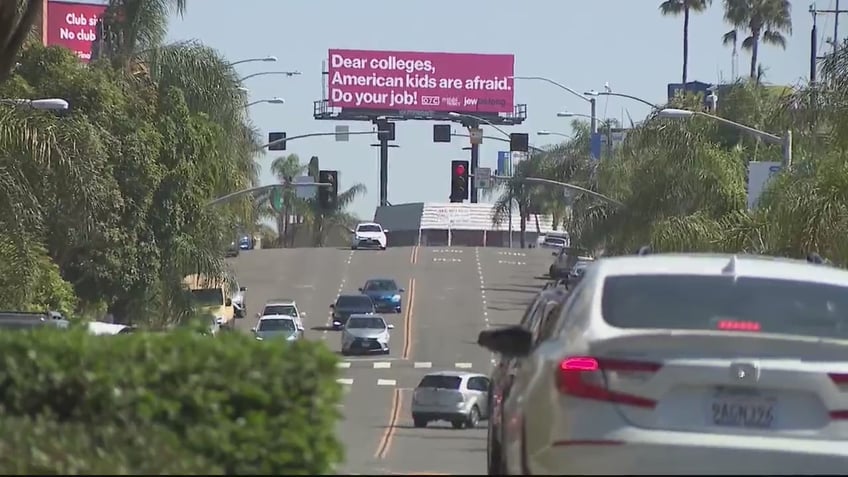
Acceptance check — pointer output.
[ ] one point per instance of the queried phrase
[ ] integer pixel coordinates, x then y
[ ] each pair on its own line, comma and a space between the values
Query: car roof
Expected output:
458, 374
280, 301
351, 295
379, 279
276, 317
367, 223
366, 315
721, 264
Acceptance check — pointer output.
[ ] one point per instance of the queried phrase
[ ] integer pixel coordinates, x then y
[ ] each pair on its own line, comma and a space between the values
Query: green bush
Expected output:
46, 447
247, 407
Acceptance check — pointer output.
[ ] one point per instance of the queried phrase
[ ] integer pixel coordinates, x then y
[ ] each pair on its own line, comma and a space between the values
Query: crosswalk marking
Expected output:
440, 259
401, 364
423, 364
345, 381
343, 364
446, 250
463, 365
513, 254
382, 365
511, 262
386, 382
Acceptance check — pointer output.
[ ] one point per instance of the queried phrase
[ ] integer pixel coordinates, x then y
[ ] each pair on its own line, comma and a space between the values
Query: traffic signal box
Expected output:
327, 196
459, 181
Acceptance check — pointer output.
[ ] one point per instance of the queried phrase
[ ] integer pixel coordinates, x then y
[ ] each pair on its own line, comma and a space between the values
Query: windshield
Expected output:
207, 297
367, 323
696, 302
380, 285
555, 241
285, 310
276, 324
440, 382
369, 228
354, 301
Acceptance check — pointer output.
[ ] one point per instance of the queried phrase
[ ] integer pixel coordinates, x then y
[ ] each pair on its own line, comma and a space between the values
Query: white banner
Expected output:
759, 174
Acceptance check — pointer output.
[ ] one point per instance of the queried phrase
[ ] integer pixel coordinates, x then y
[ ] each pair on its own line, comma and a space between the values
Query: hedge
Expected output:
244, 407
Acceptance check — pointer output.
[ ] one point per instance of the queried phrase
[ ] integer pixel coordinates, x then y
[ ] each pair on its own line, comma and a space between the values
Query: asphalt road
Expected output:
451, 294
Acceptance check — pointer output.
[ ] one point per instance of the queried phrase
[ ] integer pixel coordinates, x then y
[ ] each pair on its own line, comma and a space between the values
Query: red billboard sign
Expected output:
415, 81
73, 25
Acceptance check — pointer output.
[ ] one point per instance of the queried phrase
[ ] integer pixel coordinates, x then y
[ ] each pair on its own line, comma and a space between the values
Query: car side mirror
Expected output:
391, 326
303, 314
555, 254
229, 302
511, 341
360, 288
385, 231
332, 305
243, 289
401, 290
258, 315
253, 329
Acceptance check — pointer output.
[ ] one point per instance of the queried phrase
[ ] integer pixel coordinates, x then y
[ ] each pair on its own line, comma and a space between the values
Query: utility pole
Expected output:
836, 11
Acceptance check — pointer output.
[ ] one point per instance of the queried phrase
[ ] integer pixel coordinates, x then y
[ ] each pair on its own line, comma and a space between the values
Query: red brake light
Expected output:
839, 378
733, 325
583, 377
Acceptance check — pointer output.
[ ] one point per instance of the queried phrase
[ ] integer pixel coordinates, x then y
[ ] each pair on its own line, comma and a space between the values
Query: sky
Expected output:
582, 44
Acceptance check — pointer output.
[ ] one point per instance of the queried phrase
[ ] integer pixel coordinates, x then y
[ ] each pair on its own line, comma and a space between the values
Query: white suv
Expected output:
369, 234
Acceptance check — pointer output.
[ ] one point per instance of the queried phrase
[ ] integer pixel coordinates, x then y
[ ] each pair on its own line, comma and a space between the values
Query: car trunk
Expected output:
728, 383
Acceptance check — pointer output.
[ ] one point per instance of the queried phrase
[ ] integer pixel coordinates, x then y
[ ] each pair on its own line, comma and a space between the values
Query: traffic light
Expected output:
441, 133
385, 130
327, 195
459, 181
519, 142
277, 136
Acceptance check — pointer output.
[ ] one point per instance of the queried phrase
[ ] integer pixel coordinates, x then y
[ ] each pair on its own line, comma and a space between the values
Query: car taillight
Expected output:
583, 377
734, 325
841, 381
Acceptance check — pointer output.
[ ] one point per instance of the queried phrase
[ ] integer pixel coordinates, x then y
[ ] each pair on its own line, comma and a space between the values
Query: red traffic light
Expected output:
460, 169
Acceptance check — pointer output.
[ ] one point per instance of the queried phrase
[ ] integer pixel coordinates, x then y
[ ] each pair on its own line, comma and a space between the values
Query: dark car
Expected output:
232, 250
541, 312
384, 293
347, 305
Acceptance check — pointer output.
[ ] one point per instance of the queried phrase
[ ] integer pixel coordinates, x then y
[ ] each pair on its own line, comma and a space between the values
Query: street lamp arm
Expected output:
558, 85
315, 134
766, 137
264, 73
567, 186
629, 96
498, 138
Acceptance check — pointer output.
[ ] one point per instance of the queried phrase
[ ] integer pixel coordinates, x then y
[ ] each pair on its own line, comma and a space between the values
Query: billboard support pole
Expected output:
384, 170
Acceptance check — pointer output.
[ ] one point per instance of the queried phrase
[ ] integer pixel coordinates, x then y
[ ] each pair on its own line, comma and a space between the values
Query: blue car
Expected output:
385, 294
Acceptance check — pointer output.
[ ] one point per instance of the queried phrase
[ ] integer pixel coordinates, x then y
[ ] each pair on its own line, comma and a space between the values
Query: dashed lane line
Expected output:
397, 364
483, 293
341, 288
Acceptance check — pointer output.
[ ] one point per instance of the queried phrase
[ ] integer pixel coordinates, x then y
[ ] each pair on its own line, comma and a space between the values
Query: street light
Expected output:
498, 138
569, 114
46, 104
590, 100
621, 95
479, 119
551, 133
269, 59
269, 101
785, 142
266, 73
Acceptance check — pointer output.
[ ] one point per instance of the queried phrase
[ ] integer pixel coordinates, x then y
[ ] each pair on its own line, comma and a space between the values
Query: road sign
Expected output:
504, 163
342, 131
475, 135
305, 192
276, 199
483, 177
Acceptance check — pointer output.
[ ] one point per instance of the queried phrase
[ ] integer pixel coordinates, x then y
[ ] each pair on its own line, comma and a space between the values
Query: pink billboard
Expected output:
73, 25
415, 81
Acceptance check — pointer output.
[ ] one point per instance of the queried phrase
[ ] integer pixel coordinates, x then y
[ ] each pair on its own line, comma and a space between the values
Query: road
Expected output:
450, 295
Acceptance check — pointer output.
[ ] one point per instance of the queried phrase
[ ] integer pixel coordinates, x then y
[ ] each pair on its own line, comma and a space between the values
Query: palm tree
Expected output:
686, 7
764, 21
16, 21
284, 168
326, 223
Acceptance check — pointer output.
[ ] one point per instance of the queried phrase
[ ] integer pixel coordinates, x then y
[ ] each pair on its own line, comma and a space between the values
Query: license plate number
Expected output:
747, 412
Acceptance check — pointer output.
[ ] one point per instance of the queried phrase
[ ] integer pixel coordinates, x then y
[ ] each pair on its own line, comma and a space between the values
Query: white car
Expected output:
684, 364
365, 334
283, 307
369, 234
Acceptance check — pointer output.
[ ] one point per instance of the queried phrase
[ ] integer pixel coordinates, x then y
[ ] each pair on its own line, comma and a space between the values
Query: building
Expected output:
450, 224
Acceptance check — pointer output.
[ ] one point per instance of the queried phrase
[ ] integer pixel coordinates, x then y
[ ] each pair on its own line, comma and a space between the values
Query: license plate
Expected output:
743, 411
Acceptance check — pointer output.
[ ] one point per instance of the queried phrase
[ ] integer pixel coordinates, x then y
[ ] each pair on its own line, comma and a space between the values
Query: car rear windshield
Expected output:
369, 228
354, 301
555, 241
440, 382
696, 302
380, 285
285, 310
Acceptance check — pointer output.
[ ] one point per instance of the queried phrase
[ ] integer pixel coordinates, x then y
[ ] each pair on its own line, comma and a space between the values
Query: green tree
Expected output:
16, 22
284, 168
686, 8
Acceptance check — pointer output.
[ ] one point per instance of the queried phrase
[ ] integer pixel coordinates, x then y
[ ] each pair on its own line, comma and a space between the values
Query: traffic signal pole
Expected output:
475, 160
384, 169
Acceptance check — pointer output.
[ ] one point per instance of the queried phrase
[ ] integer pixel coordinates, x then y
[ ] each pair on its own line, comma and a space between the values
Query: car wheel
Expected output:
457, 424
473, 418
353, 247
382, 247
419, 421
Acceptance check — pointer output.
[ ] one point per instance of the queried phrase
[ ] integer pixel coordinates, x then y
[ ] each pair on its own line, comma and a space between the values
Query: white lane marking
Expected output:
513, 254
463, 365
371, 360
511, 262
346, 381
343, 365
483, 300
440, 259
386, 382
423, 364
329, 322
446, 250
382, 365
